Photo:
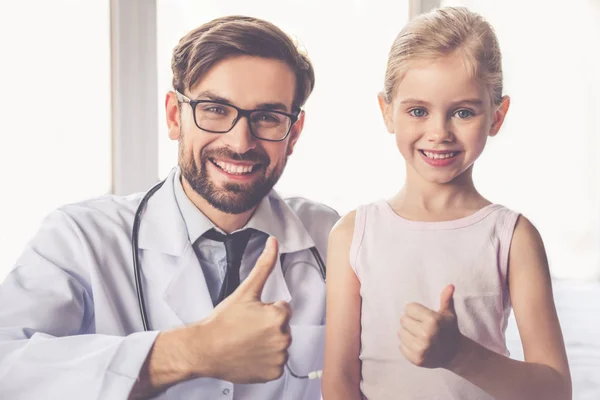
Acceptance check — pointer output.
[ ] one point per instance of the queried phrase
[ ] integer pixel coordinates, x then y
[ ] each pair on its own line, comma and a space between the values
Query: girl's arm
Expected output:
545, 372
341, 371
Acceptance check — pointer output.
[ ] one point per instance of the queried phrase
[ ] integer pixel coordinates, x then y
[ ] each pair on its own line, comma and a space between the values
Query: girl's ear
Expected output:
386, 112
499, 115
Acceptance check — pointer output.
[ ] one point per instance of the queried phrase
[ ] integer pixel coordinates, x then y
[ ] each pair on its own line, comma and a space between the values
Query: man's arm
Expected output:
46, 317
48, 348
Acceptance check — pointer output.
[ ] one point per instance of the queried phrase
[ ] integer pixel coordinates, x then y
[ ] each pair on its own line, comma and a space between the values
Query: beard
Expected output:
232, 198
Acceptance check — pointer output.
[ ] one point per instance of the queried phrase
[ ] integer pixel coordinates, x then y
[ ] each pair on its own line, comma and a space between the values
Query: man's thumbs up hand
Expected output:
430, 338
250, 339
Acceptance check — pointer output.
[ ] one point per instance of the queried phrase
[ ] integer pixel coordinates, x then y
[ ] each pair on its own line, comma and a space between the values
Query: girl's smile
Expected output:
437, 158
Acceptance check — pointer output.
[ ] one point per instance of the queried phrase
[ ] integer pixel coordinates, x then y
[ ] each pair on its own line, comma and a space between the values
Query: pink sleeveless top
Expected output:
398, 261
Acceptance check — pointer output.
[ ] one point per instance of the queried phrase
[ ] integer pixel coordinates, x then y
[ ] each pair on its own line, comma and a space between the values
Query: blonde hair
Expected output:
444, 32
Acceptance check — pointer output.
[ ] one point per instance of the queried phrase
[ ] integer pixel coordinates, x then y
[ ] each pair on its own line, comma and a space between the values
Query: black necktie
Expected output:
235, 244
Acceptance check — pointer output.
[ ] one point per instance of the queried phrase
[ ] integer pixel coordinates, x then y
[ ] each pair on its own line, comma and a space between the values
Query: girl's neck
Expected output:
430, 201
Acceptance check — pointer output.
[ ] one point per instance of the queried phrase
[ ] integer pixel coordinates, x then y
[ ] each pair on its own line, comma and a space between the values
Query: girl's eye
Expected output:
418, 112
464, 114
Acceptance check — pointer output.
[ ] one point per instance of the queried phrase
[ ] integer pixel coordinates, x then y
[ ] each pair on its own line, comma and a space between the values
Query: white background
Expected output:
54, 110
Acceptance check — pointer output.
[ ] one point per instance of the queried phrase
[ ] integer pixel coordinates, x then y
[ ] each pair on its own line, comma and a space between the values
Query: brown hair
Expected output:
199, 50
442, 32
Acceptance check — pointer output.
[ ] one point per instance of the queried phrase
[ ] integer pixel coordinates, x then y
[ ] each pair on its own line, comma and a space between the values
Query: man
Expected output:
71, 324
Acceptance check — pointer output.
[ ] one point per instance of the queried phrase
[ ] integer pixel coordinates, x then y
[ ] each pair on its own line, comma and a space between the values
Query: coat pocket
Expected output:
305, 357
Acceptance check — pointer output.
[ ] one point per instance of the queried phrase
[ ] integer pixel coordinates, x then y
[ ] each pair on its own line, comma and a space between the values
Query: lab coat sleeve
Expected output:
47, 346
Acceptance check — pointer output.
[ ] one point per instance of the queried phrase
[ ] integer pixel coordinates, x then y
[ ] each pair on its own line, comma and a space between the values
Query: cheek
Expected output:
406, 138
194, 144
187, 150
477, 138
480, 144
276, 152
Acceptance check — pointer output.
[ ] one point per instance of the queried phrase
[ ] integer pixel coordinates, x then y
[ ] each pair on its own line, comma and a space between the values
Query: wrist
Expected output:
163, 367
195, 349
172, 356
461, 357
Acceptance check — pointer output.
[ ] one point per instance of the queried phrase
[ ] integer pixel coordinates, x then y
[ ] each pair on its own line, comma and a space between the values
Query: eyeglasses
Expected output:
220, 117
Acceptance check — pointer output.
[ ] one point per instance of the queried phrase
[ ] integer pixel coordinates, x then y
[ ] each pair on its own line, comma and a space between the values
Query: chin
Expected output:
441, 181
440, 178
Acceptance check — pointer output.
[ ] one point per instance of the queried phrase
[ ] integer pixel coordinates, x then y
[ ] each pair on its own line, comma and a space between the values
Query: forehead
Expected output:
439, 80
247, 81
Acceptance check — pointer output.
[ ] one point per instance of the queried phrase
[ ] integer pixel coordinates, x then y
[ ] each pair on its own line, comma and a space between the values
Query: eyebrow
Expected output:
473, 102
275, 106
414, 101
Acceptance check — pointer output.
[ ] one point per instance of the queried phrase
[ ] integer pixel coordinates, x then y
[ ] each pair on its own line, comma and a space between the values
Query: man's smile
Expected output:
237, 167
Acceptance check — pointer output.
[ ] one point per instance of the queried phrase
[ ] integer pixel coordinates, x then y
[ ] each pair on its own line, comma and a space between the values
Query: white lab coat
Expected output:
70, 325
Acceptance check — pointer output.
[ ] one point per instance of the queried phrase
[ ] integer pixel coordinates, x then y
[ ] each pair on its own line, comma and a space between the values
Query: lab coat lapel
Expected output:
188, 294
275, 218
168, 260
276, 287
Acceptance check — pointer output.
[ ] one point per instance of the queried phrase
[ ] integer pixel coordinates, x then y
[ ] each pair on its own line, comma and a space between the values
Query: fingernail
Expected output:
270, 242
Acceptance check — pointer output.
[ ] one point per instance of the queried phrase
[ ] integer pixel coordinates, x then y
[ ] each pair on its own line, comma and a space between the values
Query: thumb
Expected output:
447, 299
251, 288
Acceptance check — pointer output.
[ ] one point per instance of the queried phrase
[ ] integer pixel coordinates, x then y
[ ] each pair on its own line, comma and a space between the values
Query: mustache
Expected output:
223, 152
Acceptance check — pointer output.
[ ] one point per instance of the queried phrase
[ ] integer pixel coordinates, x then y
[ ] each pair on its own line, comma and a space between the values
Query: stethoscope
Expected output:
138, 282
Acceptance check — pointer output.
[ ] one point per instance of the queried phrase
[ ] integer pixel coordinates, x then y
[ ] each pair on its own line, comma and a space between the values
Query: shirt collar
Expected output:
272, 216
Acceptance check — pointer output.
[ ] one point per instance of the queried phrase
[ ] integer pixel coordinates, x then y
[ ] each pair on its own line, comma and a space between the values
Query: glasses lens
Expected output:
270, 125
215, 117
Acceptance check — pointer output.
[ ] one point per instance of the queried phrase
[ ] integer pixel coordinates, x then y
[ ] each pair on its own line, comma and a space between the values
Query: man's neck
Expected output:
226, 222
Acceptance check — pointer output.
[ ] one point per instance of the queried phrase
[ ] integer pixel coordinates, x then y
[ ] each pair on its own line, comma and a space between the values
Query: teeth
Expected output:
437, 156
233, 169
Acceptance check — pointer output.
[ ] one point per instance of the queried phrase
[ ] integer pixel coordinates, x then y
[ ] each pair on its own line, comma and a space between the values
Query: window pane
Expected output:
55, 107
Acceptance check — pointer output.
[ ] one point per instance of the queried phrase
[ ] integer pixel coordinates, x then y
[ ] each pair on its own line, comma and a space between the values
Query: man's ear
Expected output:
386, 112
499, 115
295, 133
173, 111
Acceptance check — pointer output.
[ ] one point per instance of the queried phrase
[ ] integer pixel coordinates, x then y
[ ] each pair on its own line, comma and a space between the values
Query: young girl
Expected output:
420, 286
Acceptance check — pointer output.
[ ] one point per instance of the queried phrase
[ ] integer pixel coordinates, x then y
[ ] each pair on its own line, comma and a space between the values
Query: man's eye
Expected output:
418, 112
215, 110
268, 117
265, 117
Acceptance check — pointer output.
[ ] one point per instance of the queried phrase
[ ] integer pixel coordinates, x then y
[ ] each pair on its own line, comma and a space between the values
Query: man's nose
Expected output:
239, 139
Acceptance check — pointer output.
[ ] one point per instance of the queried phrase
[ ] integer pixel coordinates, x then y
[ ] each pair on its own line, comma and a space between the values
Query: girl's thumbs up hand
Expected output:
429, 338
